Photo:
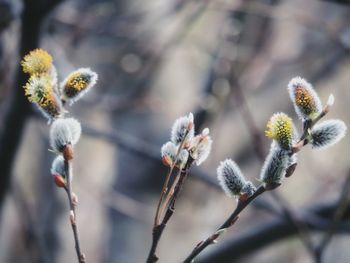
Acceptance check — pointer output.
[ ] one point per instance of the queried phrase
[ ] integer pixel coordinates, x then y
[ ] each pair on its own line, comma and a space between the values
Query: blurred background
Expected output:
229, 63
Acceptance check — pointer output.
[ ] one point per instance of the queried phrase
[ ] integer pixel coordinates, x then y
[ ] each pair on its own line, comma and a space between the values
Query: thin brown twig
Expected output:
166, 182
72, 203
170, 194
304, 139
158, 229
255, 134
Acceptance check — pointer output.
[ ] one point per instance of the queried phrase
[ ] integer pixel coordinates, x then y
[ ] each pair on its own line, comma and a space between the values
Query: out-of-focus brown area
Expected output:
228, 62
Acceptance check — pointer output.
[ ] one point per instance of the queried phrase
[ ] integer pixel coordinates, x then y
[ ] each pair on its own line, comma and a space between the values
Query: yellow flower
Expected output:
280, 128
77, 84
36, 62
305, 99
39, 90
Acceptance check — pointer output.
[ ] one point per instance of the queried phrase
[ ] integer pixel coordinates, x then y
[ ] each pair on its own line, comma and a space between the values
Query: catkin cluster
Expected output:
285, 141
43, 90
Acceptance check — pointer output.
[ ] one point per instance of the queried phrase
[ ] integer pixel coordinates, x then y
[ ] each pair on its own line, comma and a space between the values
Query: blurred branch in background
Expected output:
338, 215
17, 109
37, 249
271, 232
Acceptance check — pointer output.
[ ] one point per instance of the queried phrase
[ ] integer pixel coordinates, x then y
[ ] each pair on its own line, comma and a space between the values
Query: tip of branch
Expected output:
330, 100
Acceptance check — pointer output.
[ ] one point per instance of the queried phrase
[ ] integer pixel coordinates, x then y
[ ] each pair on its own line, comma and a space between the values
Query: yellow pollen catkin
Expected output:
280, 128
78, 82
36, 62
304, 100
39, 89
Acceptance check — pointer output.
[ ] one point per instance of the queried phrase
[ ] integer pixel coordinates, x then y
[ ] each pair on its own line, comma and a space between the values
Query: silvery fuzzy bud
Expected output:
64, 132
230, 178
75, 129
58, 167
327, 133
306, 102
275, 165
58, 171
168, 153
183, 129
182, 158
200, 146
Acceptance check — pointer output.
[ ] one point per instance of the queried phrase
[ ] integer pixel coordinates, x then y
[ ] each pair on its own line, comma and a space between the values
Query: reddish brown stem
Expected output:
72, 214
158, 229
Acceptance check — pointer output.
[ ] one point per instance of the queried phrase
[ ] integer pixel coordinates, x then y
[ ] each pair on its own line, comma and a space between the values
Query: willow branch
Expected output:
72, 203
257, 139
166, 182
159, 228
304, 139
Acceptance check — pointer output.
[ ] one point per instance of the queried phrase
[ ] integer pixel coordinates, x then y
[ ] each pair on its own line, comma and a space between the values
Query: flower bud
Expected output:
275, 165
64, 132
75, 129
58, 171
231, 178
306, 102
200, 146
182, 158
183, 129
36, 62
280, 128
327, 133
168, 153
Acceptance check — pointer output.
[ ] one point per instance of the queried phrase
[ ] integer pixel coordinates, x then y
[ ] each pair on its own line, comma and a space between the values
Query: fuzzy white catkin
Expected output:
203, 150
75, 129
300, 82
180, 128
183, 157
230, 177
169, 150
63, 132
57, 167
327, 133
275, 165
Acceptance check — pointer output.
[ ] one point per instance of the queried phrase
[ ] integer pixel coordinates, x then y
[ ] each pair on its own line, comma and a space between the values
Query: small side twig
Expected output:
159, 228
304, 139
165, 185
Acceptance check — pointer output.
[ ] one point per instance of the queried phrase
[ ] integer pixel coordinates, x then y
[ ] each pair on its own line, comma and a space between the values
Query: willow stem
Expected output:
72, 214
170, 209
